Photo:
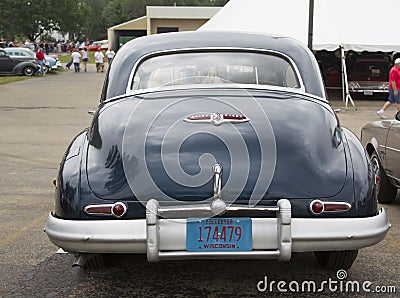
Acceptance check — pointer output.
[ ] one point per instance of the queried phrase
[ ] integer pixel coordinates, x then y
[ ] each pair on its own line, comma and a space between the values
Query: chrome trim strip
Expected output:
142, 92
252, 209
390, 148
129, 89
205, 210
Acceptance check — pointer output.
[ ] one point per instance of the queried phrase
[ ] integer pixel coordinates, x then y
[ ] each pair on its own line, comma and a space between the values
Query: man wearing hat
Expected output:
394, 86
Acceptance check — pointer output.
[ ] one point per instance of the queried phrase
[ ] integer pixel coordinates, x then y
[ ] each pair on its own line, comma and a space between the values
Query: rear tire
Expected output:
335, 260
385, 191
28, 71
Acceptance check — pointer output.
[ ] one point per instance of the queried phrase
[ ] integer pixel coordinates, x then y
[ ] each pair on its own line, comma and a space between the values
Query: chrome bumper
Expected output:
165, 239
157, 230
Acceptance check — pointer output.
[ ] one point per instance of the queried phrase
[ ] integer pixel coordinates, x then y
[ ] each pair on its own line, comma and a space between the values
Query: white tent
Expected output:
357, 25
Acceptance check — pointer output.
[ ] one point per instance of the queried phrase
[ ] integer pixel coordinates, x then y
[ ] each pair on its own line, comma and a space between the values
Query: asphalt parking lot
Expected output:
38, 119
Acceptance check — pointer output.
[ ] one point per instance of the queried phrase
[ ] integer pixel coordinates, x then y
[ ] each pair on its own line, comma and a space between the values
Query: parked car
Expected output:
381, 139
102, 44
17, 65
370, 75
215, 145
51, 63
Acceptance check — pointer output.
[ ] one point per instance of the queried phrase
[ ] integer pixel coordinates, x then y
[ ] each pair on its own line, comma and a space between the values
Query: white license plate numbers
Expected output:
368, 92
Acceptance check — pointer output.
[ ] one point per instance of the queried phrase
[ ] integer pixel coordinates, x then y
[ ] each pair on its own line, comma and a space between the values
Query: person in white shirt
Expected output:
85, 58
110, 55
76, 59
99, 59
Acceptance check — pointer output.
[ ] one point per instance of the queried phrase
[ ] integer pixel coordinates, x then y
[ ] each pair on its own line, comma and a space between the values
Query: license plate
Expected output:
368, 92
218, 234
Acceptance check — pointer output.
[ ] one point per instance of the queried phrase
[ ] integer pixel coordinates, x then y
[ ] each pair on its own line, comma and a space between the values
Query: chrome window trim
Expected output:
217, 86
129, 89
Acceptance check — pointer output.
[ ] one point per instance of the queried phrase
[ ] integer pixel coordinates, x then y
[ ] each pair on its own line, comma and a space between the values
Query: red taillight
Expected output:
376, 179
55, 182
336, 207
318, 207
117, 209
100, 209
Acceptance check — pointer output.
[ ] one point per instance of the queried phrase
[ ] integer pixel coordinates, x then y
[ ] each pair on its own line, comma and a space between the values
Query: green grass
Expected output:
15, 78
11, 79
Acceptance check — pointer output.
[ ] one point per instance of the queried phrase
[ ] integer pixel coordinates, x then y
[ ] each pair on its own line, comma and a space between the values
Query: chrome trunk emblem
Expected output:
216, 118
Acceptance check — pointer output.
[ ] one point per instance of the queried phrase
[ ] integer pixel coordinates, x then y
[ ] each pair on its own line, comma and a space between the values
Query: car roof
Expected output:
132, 51
17, 48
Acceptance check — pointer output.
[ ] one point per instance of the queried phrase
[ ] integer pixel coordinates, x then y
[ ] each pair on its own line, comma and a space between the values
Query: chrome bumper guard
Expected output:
154, 221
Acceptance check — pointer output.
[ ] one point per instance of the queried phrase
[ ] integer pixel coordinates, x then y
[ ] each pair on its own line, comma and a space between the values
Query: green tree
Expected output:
114, 13
73, 18
31, 18
81, 18
96, 28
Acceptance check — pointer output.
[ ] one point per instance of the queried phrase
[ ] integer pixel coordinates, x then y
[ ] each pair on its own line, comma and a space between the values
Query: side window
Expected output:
3, 54
291, 80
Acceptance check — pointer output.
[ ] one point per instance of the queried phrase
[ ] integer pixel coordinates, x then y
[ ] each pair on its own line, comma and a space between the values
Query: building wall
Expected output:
182, 24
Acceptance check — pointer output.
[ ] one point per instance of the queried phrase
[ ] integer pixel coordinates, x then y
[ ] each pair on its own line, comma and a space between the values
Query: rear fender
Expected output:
363, 177
67, 194
20, 66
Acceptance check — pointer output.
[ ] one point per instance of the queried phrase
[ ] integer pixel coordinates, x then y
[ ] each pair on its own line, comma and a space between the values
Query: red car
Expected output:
102, 44
369, 76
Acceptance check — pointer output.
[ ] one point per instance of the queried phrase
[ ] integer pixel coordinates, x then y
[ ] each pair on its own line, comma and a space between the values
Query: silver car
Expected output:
382, 142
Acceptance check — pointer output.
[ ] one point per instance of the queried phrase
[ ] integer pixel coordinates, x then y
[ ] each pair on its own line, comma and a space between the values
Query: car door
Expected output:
393, 150
6, 63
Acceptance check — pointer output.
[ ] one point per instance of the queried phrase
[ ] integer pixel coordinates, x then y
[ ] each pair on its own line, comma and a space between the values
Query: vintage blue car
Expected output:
215, 145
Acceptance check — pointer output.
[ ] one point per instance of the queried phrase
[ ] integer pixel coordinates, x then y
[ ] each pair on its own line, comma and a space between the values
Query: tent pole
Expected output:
310, 24
345, 84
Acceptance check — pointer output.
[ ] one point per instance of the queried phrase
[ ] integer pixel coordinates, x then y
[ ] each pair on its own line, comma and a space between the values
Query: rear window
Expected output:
215, 68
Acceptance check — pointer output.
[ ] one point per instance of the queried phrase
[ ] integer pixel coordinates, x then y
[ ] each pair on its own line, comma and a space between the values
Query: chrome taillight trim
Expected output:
346, 206
111, 206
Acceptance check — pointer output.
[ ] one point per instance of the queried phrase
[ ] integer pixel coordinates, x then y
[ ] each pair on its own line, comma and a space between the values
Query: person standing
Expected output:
110, 55
76, 59
394, 86
99, 59
40, 58
85, 58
